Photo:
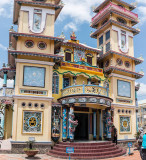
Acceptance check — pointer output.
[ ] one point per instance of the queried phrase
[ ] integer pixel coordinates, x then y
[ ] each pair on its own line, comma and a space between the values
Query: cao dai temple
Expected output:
65, 90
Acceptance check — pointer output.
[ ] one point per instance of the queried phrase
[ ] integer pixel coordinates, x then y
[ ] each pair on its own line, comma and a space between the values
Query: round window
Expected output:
36, 105
119, 110
122, 110
42, 45
23, 104
119, 62
42, 105
107, 63
29, 44
29, 104
127, 64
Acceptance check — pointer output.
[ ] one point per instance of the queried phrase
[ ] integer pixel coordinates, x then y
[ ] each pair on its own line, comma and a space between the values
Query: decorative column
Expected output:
64, 125
2, 116
5, 79
100, 124
108, 124
94, 124
72, 124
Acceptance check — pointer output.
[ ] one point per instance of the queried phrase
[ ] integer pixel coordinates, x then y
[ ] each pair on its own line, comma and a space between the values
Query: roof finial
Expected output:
73, 36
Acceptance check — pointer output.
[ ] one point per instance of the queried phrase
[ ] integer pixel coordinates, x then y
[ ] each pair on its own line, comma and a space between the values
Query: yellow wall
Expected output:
18, 134
22, 47
23, 25
19, 79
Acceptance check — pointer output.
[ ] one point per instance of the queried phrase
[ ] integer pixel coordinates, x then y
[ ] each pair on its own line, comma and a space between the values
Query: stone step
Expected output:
87, 153
84, 150
89, 157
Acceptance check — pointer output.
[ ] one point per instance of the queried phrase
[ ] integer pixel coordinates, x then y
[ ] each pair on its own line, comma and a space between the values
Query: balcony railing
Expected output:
6, 92
117, 8
85, 89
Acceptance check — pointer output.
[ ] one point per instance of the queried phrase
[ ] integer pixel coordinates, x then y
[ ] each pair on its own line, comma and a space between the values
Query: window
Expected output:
124, 88
89, 58
29, 44
66, 82
107, 63
101, 40
121, 20
123, 39
127, 64
121, 6
119, 62
68, 53
34, 76
108, 47
55, 84
42, 45
37, 20
107, 35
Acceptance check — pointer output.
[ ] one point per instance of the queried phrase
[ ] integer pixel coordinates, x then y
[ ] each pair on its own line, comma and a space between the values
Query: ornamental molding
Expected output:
128, 34
123, 105
33, 98
34, 62
30, 11
121, 76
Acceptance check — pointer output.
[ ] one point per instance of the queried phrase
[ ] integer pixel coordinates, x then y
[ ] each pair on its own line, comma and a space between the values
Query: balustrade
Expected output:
85, 89
6, 91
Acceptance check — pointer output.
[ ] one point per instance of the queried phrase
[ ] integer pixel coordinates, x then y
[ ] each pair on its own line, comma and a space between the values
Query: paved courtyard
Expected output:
136, 156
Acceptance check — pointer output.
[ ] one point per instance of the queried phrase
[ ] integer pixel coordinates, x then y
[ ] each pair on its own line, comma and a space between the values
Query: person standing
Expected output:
114, 134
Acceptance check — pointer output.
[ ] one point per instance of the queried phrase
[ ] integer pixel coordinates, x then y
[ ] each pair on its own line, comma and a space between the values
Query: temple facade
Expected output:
65, 90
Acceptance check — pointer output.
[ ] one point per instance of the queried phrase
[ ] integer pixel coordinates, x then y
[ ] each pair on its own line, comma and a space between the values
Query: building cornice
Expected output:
121, 76
34, 62
32, 98
54, 56
137, 61
106, 1
94, 34
112, 68
123, 105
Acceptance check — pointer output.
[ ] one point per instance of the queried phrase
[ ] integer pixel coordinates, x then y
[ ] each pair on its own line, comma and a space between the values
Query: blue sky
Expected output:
76, 16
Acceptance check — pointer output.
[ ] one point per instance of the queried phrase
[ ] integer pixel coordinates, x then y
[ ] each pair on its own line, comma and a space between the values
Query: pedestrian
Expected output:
114, 134
144, 141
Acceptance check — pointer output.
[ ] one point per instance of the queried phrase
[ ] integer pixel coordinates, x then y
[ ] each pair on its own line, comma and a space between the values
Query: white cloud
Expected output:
3, 47
78, 11
71, 26
142, 90
6, 8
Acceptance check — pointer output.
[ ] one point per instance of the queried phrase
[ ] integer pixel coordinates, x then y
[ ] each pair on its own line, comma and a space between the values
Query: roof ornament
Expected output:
141, 72
62, 35
11, 29
141, 58
134, 4
73, 36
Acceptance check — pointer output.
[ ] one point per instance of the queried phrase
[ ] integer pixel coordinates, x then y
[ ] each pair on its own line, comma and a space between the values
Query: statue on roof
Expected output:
73, 36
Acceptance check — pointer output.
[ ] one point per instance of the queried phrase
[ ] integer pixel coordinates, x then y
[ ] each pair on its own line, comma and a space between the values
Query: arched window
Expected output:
89, 58
68, 53
121, 20
55, 87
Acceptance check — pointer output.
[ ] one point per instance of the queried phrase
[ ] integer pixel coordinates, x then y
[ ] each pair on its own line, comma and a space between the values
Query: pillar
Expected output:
64, 125
94, 124
100, 125
14, 78
5, 80
2, 124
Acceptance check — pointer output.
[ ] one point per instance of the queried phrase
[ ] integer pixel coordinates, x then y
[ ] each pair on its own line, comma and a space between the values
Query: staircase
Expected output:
87, 150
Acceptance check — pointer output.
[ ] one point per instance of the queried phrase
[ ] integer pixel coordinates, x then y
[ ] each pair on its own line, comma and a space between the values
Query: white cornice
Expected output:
34, 62
123, 105
121, 76
33, 98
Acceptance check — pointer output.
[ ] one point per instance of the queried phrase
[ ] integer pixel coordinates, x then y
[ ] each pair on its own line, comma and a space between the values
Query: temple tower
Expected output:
31, 52
114, 21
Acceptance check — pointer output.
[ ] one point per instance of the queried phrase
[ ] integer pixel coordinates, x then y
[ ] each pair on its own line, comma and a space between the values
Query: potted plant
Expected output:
30, 151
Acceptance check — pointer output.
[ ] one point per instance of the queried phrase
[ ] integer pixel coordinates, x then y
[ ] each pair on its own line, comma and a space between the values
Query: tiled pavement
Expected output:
136, 156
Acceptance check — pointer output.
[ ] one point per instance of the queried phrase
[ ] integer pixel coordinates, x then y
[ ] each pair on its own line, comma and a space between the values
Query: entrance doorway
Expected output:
81, 132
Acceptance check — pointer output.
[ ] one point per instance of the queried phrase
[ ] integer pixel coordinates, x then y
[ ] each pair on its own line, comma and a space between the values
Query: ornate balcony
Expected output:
85, 89
112, 6
84, 94
6, 92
